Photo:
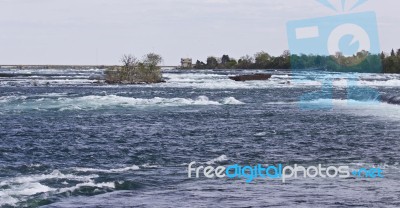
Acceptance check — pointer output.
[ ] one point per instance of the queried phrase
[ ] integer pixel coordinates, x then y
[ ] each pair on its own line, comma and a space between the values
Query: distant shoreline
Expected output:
88, 67
163, 68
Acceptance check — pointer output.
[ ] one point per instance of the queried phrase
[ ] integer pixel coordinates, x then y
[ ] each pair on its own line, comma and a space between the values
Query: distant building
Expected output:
186, 63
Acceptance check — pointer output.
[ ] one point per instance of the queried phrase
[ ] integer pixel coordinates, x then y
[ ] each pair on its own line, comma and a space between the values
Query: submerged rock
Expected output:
242, 78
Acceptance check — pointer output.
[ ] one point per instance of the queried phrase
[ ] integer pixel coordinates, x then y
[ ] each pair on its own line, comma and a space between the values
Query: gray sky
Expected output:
100, 31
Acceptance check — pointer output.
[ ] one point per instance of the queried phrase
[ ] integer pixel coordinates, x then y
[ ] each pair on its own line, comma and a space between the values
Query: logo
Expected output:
346, 42
251, 173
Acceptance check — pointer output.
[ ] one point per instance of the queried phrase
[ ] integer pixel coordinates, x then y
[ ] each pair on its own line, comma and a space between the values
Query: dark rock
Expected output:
242, 78
391, 99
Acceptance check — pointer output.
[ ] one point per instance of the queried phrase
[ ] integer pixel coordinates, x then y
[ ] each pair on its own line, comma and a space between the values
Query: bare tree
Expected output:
128, 60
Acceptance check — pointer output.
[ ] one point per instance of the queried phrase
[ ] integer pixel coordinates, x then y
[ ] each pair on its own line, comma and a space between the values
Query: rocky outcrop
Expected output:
242, 78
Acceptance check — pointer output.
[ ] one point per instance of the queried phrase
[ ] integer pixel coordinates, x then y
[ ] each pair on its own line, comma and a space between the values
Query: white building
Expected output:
186, 63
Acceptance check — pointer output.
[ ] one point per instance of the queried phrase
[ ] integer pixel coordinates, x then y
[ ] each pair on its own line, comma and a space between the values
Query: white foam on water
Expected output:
6, 199
150, 166
74, 107
360, 108
279, 103
222, 82
232, 101
19, 188
212, 80
260, 134
192, 77
96, 102
56, 174
11, 98
384, 83
87, 184
297, 79
219, 159
51, 95
29, 189
116, 170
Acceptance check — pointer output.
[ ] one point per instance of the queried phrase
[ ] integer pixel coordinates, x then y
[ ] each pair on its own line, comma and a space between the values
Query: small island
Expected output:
134, 71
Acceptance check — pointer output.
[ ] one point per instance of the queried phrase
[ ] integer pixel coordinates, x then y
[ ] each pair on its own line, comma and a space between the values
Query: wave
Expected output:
12, 98
381, 99
391, 99
88, 184
149, 166
91, 102
218, 80
361, 100
279, 80
19, 189
336, 102
219, 159
56, 174
231, 101
116, 170
260, 134
374, 108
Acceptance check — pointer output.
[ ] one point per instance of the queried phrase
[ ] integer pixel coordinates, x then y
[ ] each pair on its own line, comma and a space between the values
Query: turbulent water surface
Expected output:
67, 141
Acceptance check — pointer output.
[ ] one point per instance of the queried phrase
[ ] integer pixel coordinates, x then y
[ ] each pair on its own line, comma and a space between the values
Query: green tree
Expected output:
152, 59
231, 64
212, 62
245, 62
262, 60
225, 59
285, 64
200, 65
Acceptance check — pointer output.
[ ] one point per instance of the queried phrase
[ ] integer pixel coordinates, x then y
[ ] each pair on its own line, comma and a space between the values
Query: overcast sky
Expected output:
100, 31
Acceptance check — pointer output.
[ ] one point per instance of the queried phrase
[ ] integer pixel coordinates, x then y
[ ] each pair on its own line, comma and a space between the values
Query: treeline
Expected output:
363, 61
261, 60
391, 62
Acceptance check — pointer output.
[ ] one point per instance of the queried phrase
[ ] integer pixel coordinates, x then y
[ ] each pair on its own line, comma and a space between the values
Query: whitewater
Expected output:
69, 141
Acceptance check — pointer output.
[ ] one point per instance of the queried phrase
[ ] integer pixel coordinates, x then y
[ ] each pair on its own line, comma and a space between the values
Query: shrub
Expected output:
135, 72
